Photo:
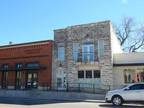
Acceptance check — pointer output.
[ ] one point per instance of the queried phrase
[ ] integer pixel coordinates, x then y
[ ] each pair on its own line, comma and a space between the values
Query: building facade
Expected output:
26, 66
128, 68
83, 55
86, 56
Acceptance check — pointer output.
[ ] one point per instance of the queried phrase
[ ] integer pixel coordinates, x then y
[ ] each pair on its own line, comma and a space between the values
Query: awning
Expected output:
40, 67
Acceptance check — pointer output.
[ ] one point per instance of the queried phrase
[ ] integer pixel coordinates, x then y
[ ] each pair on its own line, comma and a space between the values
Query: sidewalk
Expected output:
53, 95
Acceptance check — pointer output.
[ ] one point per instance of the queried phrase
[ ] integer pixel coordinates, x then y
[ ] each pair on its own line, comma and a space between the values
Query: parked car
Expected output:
130, 93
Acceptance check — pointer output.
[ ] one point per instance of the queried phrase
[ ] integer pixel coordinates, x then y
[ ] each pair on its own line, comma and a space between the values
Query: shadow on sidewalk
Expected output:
31, 101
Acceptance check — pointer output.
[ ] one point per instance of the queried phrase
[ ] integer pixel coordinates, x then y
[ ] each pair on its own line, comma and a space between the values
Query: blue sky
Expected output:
33, 20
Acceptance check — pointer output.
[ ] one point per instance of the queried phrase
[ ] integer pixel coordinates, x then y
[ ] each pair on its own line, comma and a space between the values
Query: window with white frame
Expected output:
89, 74
76, 52
61, 53
88, 53
101, 49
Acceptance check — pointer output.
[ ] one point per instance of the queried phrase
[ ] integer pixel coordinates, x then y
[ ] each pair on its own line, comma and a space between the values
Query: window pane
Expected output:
61, 53
59, 82
91, 48
142, 86
101, 48
136, 87
89, 74
91, 57
85, 49
84, 57
133, 76
88, 53
97, 74
80, 74
75, 51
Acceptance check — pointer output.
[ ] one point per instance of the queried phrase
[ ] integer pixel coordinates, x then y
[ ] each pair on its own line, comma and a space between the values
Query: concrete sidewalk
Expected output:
53, 95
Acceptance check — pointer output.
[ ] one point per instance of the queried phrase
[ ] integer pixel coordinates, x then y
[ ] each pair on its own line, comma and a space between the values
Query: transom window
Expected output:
19, 66
5, 67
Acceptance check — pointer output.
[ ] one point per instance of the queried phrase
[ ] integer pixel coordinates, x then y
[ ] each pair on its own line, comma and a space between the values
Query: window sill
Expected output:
88, 63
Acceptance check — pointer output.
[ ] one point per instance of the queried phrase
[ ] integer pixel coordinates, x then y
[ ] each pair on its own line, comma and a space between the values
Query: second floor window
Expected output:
101, 49
76, 51
88, 53
61, 54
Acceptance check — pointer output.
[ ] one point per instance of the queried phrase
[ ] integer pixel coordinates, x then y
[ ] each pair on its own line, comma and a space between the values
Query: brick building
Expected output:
26, 66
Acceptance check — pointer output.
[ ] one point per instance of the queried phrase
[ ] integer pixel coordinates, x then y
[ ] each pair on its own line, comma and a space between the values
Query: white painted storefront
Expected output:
128, 68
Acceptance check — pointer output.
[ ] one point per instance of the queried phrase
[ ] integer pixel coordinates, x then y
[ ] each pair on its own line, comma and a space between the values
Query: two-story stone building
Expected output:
83, 55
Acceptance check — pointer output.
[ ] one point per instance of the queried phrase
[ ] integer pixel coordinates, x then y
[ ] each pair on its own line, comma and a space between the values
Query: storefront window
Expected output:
18, 76
132, 76
5, 76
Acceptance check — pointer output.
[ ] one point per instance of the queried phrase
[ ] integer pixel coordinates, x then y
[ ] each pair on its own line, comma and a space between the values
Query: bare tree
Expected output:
131, 35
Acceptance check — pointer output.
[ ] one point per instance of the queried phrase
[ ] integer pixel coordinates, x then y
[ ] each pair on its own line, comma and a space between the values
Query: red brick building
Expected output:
26, 66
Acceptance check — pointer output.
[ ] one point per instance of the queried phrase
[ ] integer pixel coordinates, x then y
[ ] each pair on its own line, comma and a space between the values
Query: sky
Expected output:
34, 20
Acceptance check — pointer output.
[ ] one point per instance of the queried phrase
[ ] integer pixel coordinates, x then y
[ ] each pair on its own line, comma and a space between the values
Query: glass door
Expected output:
18, 80
61, 81
32, 80
4, 80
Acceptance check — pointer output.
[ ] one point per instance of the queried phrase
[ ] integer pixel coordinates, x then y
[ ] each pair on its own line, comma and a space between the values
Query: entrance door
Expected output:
61, 83
4, 80
18, 80
32, 80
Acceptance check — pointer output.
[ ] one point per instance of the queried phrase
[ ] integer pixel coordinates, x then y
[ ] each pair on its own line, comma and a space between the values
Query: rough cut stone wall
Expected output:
81, 33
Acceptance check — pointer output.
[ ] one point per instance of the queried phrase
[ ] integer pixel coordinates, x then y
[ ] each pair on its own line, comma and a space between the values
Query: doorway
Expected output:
4, 80
32, 80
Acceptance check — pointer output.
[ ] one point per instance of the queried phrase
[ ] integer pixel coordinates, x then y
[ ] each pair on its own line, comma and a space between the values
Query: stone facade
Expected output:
83, 34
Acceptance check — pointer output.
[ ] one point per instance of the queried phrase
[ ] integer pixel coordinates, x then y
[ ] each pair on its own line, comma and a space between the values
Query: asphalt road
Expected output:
43, 103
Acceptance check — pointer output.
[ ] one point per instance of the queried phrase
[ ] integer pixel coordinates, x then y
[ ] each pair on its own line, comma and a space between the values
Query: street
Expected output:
43, 103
